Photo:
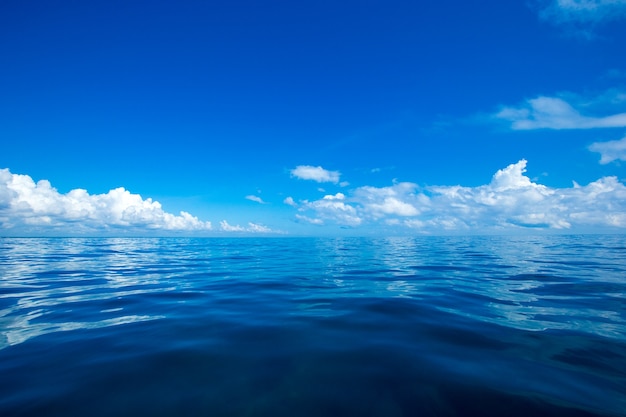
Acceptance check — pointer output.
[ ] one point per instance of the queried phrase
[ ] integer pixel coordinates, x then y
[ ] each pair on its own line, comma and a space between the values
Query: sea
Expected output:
408, 326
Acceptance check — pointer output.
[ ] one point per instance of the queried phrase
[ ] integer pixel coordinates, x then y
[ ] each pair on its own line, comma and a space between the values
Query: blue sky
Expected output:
312, 118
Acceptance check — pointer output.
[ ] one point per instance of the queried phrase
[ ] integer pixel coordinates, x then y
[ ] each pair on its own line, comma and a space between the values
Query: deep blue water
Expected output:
427, 326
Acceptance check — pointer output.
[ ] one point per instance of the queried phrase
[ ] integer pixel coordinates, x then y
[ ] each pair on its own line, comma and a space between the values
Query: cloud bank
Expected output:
26, 205
510, 201
318, 174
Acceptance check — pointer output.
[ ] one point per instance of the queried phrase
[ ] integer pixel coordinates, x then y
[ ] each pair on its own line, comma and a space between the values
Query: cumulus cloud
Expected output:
511, 200
334, 208
319, 174
398, 200
555, 113
338, 196
614, 150
252, 228
256, 199
228, 228
290, 202
26, 205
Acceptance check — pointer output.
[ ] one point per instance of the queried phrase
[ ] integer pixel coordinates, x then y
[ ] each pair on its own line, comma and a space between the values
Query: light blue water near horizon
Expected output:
415, 326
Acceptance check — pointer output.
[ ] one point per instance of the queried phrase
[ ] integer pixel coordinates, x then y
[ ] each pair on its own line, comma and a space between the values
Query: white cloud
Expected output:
511, 200
256, 199
258, 228
398, 199
252, 228
26, 205
512, 178
333, 207
319, 174
309, 219
555, 113
392, 205
290, 202
338, 196
614, 150
228, 228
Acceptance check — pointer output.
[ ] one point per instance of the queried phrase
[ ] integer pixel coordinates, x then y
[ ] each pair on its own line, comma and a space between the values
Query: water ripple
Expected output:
525, 320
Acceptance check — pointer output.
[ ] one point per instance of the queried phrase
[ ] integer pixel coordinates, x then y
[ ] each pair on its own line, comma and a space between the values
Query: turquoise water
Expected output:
428, 326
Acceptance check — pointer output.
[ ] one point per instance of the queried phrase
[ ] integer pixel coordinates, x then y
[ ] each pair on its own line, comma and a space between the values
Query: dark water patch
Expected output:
598, 360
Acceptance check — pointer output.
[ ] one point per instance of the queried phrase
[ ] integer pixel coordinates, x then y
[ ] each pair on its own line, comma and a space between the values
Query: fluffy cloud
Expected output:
229, 228
290, 202
555, 113
395, 200
252, 228
510, 201
319, 174
26, 205
332, 207
614, 150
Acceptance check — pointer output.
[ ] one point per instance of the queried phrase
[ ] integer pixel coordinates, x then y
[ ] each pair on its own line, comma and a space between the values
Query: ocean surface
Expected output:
418, 326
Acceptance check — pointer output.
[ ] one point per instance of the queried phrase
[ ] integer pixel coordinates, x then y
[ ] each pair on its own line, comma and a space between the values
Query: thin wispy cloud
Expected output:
583, 11
251, 228
310, 220
258, 228
582, 19
555, 113
255, 198
614, 150
318, 174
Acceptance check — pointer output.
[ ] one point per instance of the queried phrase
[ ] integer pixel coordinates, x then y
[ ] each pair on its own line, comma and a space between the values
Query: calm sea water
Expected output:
428, 326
